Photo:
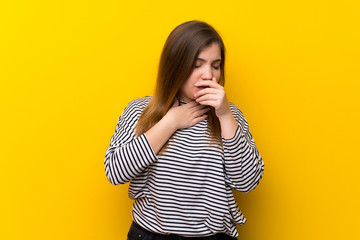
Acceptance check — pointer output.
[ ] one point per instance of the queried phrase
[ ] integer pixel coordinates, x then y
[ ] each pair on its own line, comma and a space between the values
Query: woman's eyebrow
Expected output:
217, 60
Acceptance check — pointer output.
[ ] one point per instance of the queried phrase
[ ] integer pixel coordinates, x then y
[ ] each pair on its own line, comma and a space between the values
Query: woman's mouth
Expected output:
201, 88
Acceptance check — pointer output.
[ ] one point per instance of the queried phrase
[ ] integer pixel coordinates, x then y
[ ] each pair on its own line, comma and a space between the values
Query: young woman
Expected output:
186, 147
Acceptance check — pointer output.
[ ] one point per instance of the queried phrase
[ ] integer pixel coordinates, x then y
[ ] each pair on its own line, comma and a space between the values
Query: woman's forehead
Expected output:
211, 52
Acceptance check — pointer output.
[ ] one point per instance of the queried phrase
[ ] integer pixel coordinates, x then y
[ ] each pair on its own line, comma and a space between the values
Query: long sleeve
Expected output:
243, 165
127, 156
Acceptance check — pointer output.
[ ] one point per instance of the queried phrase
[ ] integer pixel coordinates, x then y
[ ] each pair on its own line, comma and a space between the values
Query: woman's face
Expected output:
207, 66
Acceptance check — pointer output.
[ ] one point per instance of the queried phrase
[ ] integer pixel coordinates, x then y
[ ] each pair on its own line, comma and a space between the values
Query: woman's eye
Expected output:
213, 67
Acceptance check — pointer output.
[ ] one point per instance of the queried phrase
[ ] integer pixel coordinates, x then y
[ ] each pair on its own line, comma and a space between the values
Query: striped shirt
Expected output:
187, 189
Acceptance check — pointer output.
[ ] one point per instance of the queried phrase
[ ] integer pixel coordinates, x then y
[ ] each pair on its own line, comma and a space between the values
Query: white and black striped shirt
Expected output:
186, 190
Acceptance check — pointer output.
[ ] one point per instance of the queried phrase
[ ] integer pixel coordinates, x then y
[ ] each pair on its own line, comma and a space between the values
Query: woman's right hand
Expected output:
177, 117
186, 115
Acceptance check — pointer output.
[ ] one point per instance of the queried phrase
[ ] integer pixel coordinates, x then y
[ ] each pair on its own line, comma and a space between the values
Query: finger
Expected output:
206, 91
212, 103
203, 111
207, 83
199, 119
207, 97
198, 108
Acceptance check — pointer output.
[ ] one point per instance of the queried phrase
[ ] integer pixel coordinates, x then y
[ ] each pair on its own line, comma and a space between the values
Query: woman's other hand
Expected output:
186, 115
213, 94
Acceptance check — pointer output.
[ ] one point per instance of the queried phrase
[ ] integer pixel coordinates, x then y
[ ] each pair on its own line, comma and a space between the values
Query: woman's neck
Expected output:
184, 99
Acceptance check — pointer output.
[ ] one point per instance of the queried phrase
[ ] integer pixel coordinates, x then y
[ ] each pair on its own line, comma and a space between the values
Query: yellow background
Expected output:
68, 69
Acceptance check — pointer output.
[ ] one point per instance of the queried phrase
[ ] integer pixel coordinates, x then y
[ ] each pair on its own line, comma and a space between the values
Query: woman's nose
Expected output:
207, 74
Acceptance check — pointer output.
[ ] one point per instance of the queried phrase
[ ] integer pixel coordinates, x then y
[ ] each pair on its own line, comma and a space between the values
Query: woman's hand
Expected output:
186, 115
213, 95
177, 117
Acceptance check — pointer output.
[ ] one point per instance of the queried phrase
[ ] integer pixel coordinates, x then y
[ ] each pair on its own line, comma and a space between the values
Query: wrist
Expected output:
169, 123
228, 125
225, 114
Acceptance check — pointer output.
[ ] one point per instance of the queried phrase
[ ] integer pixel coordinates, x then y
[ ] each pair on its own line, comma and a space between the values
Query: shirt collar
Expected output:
181, 102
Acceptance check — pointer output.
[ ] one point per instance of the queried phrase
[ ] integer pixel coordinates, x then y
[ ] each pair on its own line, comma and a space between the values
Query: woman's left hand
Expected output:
213, 95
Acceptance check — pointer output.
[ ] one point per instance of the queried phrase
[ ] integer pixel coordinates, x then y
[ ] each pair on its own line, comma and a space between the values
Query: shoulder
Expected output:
235, 109
238, 114
139, 103
136, 106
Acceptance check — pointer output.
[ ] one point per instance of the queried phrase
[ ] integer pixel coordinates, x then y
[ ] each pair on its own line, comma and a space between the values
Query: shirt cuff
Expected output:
147, 146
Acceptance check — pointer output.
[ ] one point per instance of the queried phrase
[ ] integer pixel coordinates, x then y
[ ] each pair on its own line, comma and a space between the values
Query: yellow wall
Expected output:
68, 69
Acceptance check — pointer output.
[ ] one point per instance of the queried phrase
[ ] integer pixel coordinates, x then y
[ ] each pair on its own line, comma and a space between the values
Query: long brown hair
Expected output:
177, 62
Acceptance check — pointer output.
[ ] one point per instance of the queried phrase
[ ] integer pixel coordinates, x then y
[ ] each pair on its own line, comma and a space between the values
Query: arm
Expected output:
160, 133
243, 164
127, 155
